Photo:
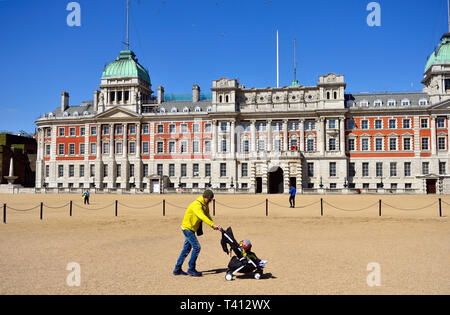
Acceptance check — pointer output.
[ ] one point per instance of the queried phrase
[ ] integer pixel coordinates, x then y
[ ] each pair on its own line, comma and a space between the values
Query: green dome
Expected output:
441, 54
125, 66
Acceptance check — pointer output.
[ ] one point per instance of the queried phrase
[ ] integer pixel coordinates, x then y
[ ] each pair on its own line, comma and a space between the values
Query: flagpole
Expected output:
278, 64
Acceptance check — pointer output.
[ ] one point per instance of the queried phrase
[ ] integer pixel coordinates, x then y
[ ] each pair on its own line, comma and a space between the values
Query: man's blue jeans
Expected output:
190, 242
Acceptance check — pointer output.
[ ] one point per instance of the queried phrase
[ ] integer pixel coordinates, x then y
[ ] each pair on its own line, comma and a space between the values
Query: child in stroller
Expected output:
245, 260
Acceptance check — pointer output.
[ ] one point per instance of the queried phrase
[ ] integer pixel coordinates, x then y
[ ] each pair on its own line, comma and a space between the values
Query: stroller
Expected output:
239, 263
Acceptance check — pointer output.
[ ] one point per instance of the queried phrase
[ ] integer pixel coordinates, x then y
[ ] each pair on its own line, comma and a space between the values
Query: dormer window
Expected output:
209, 109
162, 110
174, 110
423, 102
405, 102
66, 114
364, 103
378, 103
198, 109
391, 103
185, 110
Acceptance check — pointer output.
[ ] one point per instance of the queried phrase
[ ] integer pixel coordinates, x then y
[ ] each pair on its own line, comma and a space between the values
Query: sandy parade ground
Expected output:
135, 252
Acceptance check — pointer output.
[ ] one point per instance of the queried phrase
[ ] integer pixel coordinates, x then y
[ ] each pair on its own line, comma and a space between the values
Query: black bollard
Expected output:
214, 207
164, 207
4, 213
70, 208
267, 207
321, 207
379, 208
440, 207
116, 208
42, 209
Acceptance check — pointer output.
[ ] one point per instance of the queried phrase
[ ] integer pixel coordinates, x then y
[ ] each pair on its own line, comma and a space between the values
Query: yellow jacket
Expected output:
197, 212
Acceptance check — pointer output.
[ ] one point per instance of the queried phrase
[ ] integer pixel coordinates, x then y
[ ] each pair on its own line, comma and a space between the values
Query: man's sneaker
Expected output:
179, 273
194, 273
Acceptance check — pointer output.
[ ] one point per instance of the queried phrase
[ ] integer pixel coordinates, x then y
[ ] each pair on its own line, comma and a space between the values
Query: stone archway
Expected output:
276, 180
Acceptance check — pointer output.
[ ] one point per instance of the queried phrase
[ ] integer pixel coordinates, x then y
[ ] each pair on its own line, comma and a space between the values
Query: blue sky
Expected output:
183, 43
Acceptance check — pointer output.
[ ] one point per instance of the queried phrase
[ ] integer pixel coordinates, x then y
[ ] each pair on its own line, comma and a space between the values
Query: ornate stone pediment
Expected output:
117, 112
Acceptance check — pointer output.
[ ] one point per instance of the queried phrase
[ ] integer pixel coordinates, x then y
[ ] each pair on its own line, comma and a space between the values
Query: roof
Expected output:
414, 98
181, 105
86, 108
441, 54
125, 66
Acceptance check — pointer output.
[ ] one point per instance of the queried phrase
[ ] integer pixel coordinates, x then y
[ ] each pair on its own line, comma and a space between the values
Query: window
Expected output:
48, 132
261, 145
105, 130
378, 124
442, 168
119, 130
425, 145
392, 144
119, 147
350, 124
379, 169
183, 147
132, 129
224, 145
293, 126
246, 146
405, 102
392, 123
145, 129
207, 170
293, 145
183, 170
310, 145
196, 128
365, 144
159, 169
172, 147
223, 169
351, 144
365, 169
171, 170
132, 148
47, 149
82, 149
172, 128
145, 147
441, 143
277, 145
440, 122
71, 148
423, 102
424, 123
407, 144
332, 169
207, 146
71, 170
378, 103
364, 124
92, 170
93, 131
160, 129
93, 148
332, 124
406, 123
223, 126
196, 147
72, 132
408, 186
351, 169
364, 103
47, 170
106, 148
61, 150
379, 144
393, 169
244, 170
208, 128
81, 170
310, 169
60, 170
105, 170
332, 144
425, 168
261, 127
62, 132
195, 170
184, 128
131, 170
391, 103
407, 169
160, 147
119, 170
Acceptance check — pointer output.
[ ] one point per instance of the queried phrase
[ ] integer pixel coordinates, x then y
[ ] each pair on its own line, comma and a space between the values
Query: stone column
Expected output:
342, 135
269, 136
285, 136
433, 136
124, 142
301, 143
214, 139
253, 145
321, 136
233, 138
98, 179
138, 165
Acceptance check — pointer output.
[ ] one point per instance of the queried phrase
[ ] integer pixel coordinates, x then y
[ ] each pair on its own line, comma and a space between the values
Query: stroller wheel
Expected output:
229, 276
257, 275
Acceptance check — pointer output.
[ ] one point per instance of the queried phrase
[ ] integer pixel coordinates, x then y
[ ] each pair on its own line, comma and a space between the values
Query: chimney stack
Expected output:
160, 94
96, 99
64, 101
195, 93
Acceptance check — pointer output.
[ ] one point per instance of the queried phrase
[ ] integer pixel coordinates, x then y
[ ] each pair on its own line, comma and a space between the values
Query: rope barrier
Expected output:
300, 207
110, 205
22, 210
448, 204
50, 207
351, 210
140, 208
168, 203
403, 209
240, 208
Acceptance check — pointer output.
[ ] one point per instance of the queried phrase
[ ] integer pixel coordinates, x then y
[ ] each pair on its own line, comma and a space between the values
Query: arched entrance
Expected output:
276, 178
